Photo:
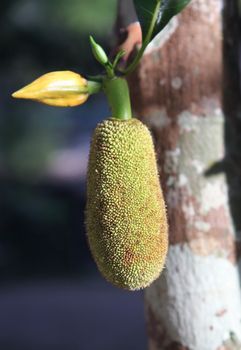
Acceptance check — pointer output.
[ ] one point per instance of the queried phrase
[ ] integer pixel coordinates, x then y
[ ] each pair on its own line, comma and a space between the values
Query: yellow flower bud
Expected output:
62, 89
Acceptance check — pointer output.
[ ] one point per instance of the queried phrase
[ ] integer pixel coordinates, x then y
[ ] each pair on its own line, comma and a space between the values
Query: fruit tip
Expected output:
15, 94
18, 94
21, 94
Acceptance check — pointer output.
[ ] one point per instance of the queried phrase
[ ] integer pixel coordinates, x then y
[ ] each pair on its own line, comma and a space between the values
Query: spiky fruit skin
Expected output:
125, 215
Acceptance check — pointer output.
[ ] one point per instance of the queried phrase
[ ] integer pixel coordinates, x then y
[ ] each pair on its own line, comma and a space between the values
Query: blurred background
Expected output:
51, 294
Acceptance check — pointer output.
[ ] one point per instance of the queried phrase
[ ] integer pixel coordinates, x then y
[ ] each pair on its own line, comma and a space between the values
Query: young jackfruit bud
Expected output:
125, 215
61, 89
98, 52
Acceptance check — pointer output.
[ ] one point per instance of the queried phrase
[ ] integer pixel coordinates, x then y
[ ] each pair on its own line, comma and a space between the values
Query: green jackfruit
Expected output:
125, 215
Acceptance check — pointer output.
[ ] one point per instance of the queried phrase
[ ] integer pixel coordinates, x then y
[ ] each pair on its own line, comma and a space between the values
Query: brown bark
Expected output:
177, 92
192, 58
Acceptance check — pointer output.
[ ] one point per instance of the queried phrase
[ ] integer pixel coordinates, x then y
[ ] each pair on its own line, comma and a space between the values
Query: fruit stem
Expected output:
93, 87
117, 92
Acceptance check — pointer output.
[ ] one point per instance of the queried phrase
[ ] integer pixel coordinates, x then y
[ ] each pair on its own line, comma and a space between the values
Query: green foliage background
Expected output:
81, 16
37, 37
53, 34
38, 213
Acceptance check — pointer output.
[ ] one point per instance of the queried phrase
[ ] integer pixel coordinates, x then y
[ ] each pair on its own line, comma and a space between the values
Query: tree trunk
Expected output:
195, 304
232, 107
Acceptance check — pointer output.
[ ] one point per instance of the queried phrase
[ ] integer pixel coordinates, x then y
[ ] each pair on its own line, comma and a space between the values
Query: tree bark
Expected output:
232, 107
195, 304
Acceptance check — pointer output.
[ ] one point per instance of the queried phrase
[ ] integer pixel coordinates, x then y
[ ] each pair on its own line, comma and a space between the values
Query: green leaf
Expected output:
155, 14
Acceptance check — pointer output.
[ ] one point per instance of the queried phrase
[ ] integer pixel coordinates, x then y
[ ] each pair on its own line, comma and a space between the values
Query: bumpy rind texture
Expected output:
125, 214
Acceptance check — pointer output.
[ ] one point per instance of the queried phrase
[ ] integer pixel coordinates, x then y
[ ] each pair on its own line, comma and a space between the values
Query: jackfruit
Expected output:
125, 213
